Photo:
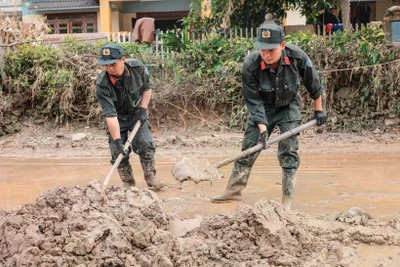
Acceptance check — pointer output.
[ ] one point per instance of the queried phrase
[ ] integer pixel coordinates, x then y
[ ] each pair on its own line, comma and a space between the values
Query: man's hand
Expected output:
320, 117
141, 115
120, 146
263, 139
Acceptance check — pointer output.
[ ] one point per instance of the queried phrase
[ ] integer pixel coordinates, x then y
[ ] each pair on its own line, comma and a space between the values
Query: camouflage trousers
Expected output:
287, 152
142, 145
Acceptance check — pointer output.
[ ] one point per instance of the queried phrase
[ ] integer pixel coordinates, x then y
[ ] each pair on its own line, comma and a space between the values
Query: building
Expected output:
10, 8
103, 16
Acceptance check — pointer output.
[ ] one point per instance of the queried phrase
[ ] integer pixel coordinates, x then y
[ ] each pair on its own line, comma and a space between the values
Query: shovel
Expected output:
119, 158
198, 170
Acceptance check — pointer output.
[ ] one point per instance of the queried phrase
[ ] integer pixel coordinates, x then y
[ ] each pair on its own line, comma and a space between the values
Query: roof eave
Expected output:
65, 9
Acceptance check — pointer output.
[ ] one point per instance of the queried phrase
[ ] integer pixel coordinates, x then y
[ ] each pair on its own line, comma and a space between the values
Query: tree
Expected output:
345, 4
251, 13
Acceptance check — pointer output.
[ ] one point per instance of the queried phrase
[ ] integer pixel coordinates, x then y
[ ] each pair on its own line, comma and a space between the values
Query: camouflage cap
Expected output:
269, 36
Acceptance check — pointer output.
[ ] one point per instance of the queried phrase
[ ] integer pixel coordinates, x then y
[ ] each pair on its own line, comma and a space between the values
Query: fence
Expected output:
328, 31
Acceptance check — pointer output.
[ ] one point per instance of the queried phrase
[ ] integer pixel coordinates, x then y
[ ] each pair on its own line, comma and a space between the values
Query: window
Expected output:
72, 23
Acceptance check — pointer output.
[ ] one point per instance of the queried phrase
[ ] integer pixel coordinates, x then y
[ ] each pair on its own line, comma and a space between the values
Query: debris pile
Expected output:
69, 226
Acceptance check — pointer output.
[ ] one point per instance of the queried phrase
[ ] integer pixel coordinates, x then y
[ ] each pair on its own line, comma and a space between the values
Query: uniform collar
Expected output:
283, 61
114, 80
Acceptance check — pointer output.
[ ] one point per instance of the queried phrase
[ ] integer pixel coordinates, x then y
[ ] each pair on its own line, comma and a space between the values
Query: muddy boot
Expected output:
230, 194
288, 185
149, 174
237, 182
126, 175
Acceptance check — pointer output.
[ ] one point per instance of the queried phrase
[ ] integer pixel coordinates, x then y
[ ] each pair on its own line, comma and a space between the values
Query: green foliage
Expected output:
133, 49
362, 61
250, 13
177, 40
45, 79
59, 83
75, 46
27, 57
214, 55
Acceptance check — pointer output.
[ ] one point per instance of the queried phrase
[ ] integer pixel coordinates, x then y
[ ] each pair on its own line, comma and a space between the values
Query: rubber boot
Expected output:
126, 175
237, 182
288, 186
149, 174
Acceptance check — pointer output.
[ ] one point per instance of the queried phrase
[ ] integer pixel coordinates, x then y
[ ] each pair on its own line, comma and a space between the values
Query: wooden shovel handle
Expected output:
269, 142
120, 156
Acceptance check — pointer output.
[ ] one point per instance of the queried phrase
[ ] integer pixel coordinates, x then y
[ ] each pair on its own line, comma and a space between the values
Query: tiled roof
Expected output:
48, 5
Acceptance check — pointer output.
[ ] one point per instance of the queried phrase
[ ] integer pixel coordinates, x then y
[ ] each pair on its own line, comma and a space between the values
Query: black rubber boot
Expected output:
288, 186
126, 175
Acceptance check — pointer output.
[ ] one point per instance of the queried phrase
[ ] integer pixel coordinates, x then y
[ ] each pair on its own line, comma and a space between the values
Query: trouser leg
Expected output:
289, 160
143, 146
241, 169
288, 186
124, 168
126, 175
150, 174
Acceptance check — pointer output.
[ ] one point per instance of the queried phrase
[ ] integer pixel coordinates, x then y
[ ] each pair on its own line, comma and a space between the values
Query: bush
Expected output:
203, 80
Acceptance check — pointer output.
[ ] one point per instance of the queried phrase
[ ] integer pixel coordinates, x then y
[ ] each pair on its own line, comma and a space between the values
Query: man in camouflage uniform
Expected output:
123, 90
270, 83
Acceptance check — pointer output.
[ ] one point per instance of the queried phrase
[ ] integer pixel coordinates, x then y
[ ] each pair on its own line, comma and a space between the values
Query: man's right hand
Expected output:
120, 146
320, 117
140, 115
263, 139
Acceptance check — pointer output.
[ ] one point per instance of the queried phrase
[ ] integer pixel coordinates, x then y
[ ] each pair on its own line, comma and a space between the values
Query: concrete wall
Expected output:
294, 18
382, 6
126, 24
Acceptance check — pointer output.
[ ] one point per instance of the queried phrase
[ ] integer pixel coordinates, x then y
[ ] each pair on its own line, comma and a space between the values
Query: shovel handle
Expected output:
120, 156
269, 142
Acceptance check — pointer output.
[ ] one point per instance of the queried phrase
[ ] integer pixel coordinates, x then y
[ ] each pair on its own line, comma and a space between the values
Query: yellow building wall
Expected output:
105, 16
127, 21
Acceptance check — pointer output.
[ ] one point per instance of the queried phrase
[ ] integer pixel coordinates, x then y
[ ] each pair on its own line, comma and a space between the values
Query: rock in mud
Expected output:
195, 170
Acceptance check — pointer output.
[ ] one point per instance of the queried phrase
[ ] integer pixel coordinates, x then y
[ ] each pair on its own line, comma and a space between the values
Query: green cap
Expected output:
269, 36
110, 53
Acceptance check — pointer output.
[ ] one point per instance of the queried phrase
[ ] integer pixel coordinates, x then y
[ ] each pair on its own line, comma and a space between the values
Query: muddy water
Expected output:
327, 182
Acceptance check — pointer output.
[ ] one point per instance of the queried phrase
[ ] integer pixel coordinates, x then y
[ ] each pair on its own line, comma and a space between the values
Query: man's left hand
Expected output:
320, 117
141, 115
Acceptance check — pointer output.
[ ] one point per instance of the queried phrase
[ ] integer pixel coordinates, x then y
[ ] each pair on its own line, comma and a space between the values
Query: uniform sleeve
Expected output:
105, 100
252, 98
310, 77
147, 82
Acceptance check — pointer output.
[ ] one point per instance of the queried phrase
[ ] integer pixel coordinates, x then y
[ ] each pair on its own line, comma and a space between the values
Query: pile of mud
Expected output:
68, 227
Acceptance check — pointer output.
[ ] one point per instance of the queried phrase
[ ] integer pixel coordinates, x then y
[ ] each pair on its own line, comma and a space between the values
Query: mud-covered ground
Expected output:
80, 140
69, 226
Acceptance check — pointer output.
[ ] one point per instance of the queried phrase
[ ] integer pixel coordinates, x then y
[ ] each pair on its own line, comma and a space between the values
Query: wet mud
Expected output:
345, 211
65, 227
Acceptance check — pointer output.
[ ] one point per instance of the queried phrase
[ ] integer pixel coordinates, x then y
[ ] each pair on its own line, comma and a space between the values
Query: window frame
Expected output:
64, 24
